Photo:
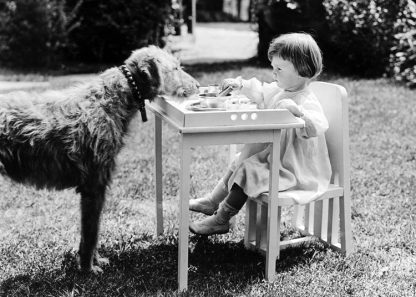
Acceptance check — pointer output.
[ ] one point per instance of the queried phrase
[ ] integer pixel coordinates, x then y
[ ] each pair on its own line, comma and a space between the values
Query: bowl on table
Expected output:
213, 102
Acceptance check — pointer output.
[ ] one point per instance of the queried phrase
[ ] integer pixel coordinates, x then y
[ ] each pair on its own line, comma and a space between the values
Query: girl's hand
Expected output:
234, 83
290, 105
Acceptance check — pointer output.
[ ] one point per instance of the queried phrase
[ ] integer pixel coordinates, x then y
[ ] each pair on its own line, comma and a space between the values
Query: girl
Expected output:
305, 169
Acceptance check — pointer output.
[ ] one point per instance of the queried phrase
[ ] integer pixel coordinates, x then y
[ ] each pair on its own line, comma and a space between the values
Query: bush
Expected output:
33, 33
361, 34
360, 37
48, 33
403, 54
276, 17
110, 30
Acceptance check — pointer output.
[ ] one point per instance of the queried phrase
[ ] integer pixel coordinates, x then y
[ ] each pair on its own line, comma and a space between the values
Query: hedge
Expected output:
109, 30
403, 54
369, 38
33, 33
52, 33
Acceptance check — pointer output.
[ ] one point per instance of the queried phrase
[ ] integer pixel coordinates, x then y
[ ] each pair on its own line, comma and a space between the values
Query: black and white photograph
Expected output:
207, 148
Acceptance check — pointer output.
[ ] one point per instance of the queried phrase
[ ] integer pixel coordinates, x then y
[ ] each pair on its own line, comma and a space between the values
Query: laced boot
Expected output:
218, 223
209, 204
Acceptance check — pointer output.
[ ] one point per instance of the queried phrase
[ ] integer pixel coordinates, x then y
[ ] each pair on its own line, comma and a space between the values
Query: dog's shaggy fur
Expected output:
70, 138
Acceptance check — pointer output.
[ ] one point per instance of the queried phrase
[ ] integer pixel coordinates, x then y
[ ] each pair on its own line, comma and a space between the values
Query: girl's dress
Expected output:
305, 169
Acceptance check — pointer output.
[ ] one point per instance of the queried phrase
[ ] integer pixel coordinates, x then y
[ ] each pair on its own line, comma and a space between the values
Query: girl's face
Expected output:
286, 76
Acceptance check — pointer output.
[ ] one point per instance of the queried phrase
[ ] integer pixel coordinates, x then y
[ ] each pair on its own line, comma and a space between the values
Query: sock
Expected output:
236, 198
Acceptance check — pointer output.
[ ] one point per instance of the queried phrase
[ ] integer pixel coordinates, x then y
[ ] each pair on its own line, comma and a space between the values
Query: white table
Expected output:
200, 136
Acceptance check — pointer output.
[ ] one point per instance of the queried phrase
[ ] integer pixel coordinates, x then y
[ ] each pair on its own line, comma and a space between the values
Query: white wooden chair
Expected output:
329, 217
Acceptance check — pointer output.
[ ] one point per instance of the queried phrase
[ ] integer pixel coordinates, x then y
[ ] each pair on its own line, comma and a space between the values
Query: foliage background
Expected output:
32, 32
52, 34
368, 38
109, 30
403, 54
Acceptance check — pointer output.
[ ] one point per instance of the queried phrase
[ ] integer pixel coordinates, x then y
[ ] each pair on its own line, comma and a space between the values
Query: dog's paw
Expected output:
101, 261
96, 270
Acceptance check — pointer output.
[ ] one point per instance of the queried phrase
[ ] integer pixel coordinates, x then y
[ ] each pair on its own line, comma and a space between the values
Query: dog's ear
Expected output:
149, 74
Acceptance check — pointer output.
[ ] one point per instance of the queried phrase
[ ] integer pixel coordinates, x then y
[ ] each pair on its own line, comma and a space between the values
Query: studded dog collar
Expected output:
135, 90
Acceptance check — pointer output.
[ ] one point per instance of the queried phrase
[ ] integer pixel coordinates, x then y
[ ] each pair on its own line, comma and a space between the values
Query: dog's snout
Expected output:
190, 83
195, 84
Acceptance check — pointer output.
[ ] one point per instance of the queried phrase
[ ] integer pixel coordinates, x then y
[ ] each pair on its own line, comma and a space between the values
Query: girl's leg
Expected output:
209, 203
219, 222
237, 197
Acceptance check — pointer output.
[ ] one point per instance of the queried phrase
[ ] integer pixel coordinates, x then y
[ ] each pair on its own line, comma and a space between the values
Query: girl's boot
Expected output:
218, 223
209, 204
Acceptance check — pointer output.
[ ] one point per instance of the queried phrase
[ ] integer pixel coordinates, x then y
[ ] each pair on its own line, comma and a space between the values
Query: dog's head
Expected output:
157, 72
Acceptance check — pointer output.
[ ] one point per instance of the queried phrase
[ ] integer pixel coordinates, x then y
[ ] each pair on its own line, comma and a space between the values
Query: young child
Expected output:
305, 169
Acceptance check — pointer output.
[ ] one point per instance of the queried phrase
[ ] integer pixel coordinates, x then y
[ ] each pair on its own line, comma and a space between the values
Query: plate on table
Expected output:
196, 106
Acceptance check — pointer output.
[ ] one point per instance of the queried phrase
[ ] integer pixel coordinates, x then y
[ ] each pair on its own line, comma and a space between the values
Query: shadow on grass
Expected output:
148, 266
214, 67
83, 68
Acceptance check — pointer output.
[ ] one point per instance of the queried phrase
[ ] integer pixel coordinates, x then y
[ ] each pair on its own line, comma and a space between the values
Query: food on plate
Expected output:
210, 100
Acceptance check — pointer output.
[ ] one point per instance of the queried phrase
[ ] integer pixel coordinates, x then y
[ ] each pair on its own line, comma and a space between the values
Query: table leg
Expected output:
158, 175
273, 216
184, 214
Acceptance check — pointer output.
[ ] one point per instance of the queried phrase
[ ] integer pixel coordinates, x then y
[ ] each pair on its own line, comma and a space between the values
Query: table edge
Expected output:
182, 129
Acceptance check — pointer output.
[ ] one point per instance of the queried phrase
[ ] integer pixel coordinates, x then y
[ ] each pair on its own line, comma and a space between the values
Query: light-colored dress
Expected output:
305, 169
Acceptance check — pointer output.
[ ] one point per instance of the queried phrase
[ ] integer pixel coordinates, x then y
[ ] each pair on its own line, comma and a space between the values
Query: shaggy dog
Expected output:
70, 138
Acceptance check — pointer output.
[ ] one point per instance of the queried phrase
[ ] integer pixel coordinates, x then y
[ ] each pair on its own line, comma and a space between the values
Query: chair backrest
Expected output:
334, 101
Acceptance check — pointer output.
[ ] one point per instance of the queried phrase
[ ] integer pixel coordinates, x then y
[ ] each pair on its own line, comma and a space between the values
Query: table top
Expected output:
187, 121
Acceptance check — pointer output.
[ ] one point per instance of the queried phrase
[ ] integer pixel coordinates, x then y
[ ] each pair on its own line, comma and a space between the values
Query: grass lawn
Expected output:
39, 230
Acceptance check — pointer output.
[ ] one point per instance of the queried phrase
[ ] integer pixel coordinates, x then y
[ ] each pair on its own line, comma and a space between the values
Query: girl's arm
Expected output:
315, 120
252, 88
258, 92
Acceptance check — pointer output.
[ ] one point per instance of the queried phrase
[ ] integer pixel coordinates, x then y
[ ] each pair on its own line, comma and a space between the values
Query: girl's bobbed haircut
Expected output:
301, 50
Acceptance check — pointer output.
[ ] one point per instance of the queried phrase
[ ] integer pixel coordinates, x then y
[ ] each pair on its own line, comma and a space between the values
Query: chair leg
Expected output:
261, 227
258, 227
324, 228
317, 220
309, 216
251, 221
345, 224
330, 220
264, 224
332, 223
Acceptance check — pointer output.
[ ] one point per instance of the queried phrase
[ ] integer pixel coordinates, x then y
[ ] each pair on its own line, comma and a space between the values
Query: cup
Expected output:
213, 90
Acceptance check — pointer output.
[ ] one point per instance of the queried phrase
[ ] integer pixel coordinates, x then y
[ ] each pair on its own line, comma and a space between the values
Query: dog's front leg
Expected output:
92, 202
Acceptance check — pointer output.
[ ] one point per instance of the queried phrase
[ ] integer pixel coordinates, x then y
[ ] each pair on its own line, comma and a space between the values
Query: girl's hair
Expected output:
301, 50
